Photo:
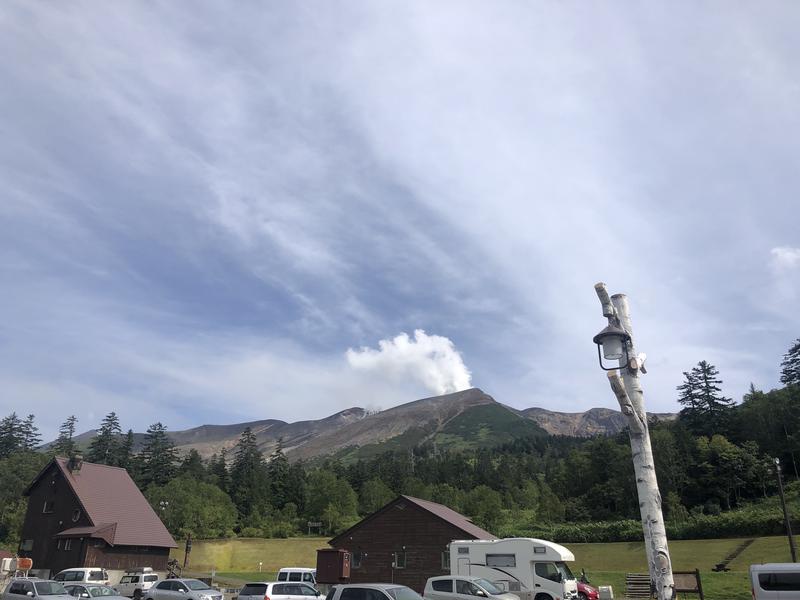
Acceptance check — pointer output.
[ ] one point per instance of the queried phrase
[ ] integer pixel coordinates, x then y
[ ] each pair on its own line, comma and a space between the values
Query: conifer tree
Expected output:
104, 448
249, 484
278, 470
790, 367
30, 437
159, 456
11, 435
125, 451
705, 408
65, 445
218, 467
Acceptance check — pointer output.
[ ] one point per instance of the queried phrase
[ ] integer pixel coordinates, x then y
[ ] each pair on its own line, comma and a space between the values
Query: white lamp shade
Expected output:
612, 348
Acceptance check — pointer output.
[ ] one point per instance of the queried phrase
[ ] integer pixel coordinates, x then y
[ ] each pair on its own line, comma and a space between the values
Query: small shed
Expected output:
405, 542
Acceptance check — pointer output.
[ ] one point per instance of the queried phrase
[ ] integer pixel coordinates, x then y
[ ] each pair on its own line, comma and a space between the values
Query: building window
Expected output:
355, 562
26, 545
76, 514
67, 544
58, 544
446, 560
399, 560
49, 505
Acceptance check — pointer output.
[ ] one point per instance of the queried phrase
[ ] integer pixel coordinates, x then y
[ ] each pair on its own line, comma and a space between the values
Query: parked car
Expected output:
19, 587
134, 584
276, 590
587, 592
182, 589
775, 581
372, 591
306, 574
92, 590
459, 587
85, 575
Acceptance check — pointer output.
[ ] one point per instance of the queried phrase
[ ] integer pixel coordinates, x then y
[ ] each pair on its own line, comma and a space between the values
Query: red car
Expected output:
587, 592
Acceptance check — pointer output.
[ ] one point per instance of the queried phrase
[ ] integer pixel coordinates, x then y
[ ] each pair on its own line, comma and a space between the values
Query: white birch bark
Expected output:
628, 392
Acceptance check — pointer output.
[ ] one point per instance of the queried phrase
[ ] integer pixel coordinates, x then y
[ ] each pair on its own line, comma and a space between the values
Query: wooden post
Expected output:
630, 397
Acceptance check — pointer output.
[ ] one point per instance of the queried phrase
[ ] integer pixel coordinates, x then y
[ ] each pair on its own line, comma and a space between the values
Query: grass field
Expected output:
606, 564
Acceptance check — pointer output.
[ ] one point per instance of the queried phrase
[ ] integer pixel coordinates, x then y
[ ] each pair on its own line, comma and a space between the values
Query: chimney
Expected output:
75, 463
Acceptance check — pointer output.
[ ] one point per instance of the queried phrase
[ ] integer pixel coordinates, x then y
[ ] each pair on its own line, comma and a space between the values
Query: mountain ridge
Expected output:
465, 419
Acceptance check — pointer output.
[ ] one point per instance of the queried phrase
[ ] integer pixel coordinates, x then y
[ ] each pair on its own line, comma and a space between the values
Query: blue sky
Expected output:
220, 213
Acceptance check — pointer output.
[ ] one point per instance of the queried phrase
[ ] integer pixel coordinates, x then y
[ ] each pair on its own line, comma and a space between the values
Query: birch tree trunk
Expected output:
628, 392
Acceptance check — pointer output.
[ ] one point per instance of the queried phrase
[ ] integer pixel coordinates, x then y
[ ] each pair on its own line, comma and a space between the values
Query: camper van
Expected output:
529, 568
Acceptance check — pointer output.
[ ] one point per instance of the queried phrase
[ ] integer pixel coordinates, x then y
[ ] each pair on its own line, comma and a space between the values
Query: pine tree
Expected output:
705, 409
249, 484
11, 435
30, 437
105, 445
278, 470
65, 445
790, 367
218, 467
125, 451
158, 456
192, 466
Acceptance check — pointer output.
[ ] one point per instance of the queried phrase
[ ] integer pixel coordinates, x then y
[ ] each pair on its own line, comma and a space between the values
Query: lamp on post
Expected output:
614, 342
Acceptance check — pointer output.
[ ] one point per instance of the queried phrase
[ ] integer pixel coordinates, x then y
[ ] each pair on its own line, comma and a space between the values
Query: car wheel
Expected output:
543, 597
582, 596
137, 594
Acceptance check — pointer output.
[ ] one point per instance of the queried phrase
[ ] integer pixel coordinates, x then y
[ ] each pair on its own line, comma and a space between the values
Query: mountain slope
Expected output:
595, 421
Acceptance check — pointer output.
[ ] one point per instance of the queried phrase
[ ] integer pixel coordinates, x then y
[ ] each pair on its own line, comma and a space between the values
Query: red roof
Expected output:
4, 554
119, 513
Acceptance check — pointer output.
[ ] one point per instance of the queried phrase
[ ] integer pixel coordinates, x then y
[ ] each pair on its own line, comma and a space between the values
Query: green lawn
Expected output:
236, 561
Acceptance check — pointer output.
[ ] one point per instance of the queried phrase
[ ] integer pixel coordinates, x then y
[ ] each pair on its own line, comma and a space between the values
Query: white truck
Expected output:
136, 582
529, 568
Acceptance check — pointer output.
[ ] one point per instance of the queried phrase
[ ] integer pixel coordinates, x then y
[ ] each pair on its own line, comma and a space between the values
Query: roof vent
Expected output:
75, 463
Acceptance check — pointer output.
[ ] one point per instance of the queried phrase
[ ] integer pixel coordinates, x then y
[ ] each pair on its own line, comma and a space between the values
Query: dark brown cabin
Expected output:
82, 514
405, 542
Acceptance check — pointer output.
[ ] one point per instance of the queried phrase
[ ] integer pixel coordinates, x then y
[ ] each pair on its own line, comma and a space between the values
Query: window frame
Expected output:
396, 559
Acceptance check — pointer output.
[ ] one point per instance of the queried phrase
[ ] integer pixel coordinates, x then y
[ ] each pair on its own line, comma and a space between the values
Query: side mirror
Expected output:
560, 577
29, 594
84, 595
480, 593
316, 593
182, 590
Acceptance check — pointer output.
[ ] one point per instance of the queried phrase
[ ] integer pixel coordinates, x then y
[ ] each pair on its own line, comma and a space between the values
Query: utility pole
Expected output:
628, 391
785, 510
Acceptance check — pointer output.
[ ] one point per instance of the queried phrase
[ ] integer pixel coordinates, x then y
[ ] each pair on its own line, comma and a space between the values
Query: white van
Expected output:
305, 574
83, 575
775, 581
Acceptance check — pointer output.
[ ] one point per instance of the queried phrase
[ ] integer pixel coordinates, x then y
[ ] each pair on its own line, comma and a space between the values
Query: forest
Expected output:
715, 465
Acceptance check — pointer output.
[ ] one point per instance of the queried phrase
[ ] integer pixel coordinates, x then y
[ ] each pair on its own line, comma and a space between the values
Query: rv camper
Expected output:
529, 568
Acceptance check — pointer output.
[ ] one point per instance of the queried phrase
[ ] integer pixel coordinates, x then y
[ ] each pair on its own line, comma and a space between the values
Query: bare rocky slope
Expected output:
466, 419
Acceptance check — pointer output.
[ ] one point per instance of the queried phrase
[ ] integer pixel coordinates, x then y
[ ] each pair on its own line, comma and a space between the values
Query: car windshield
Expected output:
195, 584
49, 588
489, 586
101, 590
564, 570
403, 593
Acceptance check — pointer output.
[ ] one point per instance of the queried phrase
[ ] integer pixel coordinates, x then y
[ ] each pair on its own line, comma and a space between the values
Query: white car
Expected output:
134, 584
278, 590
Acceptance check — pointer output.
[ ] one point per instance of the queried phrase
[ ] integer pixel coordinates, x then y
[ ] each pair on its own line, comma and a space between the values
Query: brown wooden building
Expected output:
83, 514
405, 542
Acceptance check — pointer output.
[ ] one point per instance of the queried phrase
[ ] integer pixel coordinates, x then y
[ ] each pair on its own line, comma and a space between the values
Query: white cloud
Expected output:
785, 258
428, 359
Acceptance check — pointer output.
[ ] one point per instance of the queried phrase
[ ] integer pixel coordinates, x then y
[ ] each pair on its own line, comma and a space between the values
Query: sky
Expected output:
227, 212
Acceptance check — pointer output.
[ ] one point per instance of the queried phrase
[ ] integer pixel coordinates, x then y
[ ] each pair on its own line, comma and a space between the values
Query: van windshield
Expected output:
564, 570
489, 586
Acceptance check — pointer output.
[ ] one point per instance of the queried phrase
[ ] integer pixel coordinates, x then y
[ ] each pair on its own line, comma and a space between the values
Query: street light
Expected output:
786, 519
614, 341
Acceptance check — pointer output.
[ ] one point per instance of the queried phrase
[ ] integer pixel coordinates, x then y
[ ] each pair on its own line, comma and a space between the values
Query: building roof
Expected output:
5, 554
438, 510
119, 513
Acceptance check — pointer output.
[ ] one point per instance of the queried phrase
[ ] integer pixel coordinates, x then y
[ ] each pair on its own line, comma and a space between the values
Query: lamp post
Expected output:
615, 342
785, 510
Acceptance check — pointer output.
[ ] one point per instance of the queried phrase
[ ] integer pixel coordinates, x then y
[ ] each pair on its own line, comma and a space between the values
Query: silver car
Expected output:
93, 590
372, 591
278, 590
43, 589
182, 589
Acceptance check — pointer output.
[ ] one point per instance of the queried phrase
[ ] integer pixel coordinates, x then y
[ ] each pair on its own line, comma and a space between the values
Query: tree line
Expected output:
717, 456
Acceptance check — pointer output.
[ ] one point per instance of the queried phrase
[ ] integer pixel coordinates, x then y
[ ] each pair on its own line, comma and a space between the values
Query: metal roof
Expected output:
119, 513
